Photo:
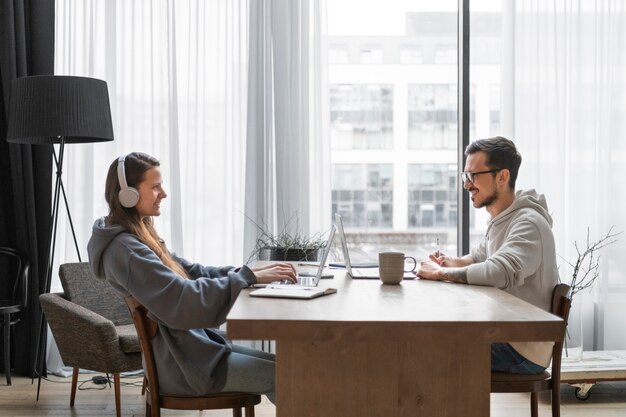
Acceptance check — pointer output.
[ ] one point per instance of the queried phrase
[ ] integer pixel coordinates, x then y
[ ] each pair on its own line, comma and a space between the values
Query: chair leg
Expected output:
237, 412
7, 347
143, 385
534, 404
152, 411
250, 411
116, 385
556, 400
74, 383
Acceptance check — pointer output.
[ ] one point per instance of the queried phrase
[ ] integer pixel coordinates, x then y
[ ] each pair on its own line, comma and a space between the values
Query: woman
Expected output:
187, 300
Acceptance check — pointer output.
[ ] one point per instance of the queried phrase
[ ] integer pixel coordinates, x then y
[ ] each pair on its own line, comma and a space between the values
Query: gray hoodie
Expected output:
188, 353
517, 254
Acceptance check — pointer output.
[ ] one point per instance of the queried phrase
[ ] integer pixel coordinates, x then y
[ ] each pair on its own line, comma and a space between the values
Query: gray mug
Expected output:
391, 266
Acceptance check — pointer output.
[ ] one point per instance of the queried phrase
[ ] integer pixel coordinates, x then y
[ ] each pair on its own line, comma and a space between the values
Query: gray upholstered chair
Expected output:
92, 326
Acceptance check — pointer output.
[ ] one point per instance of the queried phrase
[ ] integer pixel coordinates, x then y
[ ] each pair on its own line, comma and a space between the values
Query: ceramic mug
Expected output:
391, 266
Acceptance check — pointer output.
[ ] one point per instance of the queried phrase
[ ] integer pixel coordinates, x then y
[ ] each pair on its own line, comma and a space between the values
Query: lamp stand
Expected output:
59, 190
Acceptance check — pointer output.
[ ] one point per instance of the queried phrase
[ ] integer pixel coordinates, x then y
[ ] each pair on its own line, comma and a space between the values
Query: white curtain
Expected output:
569, 101
288, 159
177, 79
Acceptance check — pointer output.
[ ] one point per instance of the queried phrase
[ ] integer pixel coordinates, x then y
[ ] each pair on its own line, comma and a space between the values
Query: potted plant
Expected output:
286, 245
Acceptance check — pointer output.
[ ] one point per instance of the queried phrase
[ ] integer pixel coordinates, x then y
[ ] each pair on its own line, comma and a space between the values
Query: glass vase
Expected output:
573, 343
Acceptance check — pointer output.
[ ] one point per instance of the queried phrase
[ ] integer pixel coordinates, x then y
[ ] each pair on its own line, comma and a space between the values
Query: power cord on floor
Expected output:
101, 381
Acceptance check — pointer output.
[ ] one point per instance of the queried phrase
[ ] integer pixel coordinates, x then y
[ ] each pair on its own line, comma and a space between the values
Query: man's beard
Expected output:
489, 200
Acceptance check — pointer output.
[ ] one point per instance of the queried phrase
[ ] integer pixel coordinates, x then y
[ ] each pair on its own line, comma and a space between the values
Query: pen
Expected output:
309, 264
438, 252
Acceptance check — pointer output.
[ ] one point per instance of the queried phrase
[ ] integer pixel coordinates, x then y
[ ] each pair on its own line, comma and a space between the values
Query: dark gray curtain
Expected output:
26, 48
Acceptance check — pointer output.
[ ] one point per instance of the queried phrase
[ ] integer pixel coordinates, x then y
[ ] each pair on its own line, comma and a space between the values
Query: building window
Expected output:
361, 116
363, 194
446, 54
371, 55
411, 55
338, 54
432, 116
432, 195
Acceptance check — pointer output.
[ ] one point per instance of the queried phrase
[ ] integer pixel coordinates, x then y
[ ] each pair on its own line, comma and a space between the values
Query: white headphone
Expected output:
128, 196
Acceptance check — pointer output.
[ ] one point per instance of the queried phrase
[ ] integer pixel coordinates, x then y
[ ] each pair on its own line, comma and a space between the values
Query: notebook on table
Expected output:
307, 287
358, 273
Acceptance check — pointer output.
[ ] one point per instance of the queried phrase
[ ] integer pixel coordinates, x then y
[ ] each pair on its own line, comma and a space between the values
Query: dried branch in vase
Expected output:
585, 270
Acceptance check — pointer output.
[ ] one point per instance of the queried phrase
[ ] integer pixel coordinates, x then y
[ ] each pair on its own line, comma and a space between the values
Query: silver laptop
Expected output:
312, 281
357, 273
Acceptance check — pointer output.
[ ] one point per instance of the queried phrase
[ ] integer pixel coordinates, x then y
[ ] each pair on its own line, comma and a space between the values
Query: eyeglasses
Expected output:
470, 176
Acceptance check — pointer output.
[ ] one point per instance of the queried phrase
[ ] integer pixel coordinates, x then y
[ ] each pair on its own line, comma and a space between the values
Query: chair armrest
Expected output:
85, 339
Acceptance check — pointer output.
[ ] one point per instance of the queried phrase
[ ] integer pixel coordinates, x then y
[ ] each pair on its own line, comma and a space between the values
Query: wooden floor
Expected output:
606, 400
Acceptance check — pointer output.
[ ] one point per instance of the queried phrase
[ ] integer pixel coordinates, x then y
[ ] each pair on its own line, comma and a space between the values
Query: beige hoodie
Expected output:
517, 255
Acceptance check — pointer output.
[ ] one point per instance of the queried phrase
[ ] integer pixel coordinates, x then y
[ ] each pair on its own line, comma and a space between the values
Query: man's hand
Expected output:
441, 259
433, 271
444, 260
275, 272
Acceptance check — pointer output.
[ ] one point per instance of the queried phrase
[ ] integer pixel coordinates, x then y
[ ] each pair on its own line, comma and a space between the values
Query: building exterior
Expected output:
393, 105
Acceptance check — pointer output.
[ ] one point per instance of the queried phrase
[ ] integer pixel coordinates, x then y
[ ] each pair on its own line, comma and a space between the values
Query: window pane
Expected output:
361, 116
363, 194
393, 104
485, 47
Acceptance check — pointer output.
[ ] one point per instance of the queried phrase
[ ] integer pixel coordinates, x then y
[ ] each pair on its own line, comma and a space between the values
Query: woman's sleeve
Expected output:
182, 303
196, 270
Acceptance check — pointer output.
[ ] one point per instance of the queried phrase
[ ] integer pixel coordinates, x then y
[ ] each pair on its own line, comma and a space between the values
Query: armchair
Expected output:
92, 327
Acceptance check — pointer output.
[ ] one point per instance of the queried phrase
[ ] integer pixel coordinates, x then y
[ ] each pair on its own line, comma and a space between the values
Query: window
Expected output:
371, 55
363, 195
411, 54
361, 116
432, 195
393, 127
445, 54
338, 54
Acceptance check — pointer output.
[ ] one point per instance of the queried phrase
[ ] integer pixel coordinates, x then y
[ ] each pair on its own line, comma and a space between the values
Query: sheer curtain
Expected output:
569, 98
177, 78
288, 162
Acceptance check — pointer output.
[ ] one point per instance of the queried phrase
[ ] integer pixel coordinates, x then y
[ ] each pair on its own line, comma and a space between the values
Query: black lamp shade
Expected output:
45, 108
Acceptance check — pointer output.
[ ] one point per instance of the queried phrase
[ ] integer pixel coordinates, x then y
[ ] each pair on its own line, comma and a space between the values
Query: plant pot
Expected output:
288, 254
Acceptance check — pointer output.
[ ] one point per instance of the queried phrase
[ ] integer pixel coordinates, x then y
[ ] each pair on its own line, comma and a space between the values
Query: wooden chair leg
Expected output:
116, 386
143, 385
7, 347
250, 411
534, 404
152, 411
237, 412
556, 400
74, 383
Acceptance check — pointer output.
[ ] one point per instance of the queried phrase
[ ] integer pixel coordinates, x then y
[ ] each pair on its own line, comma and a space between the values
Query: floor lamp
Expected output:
48, 110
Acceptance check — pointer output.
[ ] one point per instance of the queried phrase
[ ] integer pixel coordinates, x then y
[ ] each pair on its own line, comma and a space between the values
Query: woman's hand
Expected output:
275, 272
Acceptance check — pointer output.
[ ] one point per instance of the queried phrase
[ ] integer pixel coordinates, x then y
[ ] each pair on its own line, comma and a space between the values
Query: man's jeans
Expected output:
506, 359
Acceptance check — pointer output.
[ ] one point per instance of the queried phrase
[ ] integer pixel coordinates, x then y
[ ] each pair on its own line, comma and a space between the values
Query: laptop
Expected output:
358, 273
311, 280
306, 287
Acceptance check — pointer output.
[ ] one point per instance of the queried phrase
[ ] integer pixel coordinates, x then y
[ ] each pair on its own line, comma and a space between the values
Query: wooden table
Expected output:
421, 348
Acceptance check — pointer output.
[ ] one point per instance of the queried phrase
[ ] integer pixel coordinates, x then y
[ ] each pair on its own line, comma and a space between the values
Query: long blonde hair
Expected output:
135, 165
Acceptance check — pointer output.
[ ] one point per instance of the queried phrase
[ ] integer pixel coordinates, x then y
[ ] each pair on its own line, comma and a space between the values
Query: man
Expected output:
517, 253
